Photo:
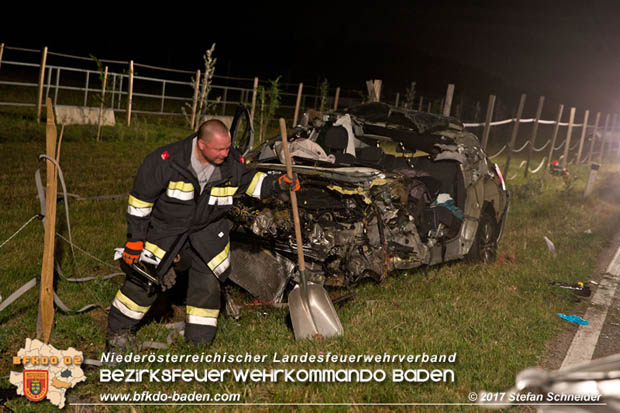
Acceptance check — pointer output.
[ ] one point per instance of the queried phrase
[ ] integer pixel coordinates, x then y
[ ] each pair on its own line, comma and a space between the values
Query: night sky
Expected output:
566, 50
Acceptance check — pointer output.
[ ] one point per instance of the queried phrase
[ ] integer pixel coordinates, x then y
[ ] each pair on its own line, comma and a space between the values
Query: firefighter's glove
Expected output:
287, 184
132, 251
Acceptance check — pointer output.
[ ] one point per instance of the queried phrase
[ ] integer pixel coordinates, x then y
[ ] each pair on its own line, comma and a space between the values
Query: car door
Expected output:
242, 131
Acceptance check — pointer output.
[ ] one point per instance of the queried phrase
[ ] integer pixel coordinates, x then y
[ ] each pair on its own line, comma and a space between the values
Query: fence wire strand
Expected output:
541, 148
539, 166
559, 147
498, 153
521, 148
20, 230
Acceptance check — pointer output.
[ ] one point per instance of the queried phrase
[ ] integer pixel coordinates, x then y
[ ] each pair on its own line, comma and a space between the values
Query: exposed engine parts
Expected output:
366, 210
357, 232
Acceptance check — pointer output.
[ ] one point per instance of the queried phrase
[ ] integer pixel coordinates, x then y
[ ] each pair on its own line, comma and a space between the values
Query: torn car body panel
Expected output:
368, 213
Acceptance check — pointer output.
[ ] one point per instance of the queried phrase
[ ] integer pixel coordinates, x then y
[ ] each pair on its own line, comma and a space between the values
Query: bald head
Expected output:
211, 128
213, 142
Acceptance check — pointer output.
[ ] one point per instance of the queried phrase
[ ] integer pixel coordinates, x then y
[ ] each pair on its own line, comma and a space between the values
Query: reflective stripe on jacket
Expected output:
166, 207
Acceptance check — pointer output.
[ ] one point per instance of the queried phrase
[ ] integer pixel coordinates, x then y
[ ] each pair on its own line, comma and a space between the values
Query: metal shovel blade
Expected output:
313, 313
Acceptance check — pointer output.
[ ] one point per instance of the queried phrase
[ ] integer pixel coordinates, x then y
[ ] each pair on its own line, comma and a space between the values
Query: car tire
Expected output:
484, 248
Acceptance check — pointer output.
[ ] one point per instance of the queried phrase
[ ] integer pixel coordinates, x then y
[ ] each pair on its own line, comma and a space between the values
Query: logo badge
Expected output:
36, 384
165, 155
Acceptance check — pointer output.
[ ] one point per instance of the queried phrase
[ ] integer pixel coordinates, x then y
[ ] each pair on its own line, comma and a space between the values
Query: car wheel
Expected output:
484, 248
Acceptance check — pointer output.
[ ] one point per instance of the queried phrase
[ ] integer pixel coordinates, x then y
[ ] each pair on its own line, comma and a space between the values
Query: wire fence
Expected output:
596, 143
166, 92
132, 88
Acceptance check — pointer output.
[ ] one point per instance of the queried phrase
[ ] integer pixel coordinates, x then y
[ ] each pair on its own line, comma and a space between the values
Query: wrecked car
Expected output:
383, 189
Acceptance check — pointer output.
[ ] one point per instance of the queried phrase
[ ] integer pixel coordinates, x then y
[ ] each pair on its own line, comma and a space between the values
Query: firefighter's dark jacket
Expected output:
166, 206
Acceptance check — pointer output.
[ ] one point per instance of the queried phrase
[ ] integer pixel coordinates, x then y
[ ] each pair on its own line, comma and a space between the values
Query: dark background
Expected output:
566, 50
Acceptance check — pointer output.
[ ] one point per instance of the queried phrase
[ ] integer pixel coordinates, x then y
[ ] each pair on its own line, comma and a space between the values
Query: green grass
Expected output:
497, 318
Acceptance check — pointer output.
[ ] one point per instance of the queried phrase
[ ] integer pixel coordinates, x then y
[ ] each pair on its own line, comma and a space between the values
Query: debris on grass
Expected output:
574, 319
232, 309
549, 244
578, 288
506, 258
344, 298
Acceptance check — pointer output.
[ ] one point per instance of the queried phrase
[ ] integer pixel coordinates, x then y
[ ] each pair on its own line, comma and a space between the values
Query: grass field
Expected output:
496, 318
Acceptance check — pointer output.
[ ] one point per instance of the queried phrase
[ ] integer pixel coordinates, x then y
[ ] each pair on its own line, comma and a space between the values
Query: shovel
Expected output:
312, 311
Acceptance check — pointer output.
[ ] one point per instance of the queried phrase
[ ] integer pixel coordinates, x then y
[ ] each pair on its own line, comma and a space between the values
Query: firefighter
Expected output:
177, 213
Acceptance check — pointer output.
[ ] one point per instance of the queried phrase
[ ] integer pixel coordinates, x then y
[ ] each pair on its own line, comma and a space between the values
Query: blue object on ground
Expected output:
574, 319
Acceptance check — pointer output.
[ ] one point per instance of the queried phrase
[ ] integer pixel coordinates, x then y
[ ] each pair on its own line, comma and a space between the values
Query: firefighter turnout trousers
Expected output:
134, 299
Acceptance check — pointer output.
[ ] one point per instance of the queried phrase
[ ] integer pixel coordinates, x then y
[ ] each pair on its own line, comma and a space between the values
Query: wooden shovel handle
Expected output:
293, 195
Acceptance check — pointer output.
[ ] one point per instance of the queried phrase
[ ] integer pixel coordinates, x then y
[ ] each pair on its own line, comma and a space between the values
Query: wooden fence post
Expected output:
583, 137
1, 53
130, 93
254, 91
46, 301
610, 137
618, 140
429, 106
569, 132
41, 77
397, 98
614, 132
598, 118
193, 123
556, 128
374, 89
541, 102
369, 87
487, 122
101, 107
336, 99
604, 139
297, 102
448, 102
420, 104
515, 130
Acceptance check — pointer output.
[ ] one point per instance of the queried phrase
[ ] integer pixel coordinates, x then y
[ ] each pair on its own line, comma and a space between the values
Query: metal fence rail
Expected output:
155, 95
163, 95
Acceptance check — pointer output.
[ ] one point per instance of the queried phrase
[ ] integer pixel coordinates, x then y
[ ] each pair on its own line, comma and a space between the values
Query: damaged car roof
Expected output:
416, 130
